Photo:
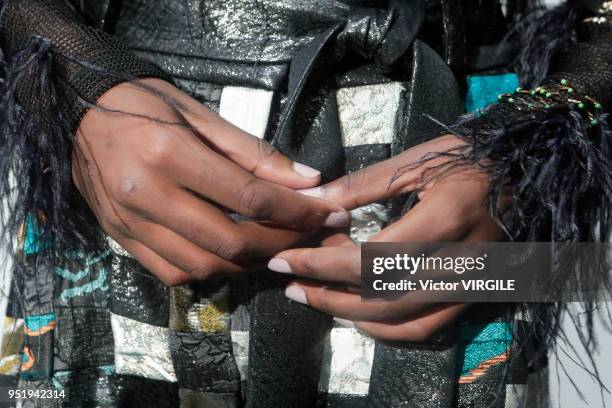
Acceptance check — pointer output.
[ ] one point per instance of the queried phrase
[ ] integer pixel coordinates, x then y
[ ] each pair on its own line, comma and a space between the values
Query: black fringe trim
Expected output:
35, 153
557, 167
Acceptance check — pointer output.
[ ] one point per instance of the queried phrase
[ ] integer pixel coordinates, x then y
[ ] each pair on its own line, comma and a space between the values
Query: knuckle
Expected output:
325, 306
127, 190
252, 201
312, 264
265, 152
230, 248
354, 266
323, 302
265, 157
160, 150
201, 271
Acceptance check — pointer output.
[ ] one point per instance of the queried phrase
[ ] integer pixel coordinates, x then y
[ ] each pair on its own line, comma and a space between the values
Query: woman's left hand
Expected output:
452, 207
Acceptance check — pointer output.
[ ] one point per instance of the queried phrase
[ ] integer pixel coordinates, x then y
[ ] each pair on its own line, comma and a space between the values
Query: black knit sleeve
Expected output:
86, 61
581, 81
53, 67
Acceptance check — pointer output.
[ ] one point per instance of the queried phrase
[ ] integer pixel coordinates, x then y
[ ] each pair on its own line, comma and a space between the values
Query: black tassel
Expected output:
35, 151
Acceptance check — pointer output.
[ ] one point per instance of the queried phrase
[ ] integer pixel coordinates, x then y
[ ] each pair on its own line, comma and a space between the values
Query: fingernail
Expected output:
337, 220
345, 322
296, 293
305, 170
279, 265
312, 192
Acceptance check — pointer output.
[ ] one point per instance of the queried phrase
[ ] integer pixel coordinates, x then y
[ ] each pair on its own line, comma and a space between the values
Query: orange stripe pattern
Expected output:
40, 331
483, 367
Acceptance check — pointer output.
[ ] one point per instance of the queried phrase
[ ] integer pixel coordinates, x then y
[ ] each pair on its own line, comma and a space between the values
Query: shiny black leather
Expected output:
211, 39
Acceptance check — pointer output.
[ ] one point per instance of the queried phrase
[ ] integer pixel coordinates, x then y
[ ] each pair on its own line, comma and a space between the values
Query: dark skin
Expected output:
452, 207
157, 189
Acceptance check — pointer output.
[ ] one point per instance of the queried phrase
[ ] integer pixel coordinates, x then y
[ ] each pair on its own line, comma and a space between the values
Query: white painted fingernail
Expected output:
312, 192
296, 293
344, 322
337, 220
305, 171
279, 265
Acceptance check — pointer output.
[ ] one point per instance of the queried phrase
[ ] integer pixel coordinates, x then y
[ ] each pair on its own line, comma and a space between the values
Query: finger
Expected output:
169, 274
338, 239
250, 152
183, 254
350, 306
226, 183
212, 230
395, 176
332, 264
419, 329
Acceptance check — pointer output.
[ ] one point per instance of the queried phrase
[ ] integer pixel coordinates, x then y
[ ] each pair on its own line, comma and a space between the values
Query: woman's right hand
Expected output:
156, 186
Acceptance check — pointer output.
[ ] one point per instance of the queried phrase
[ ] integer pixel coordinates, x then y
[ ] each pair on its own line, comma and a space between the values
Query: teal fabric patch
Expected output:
480, 342
483, 90
34, 241
37, 322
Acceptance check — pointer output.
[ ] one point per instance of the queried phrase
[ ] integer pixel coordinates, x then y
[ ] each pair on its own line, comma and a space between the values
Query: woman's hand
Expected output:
452, 207
157, 185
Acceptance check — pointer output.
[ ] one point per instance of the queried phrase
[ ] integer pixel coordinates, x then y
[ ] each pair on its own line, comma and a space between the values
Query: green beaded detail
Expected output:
555, 96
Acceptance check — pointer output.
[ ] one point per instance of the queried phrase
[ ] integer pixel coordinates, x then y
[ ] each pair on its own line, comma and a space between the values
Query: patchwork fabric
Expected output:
347, 362
142, 349
201, 308
367, 113
204, 362
246, 108
483, 90
482, 346
104, 329
12, 345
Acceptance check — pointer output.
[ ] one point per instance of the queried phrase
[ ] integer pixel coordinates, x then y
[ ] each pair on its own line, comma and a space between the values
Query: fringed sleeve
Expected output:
550, 149
52, 69
551, 146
